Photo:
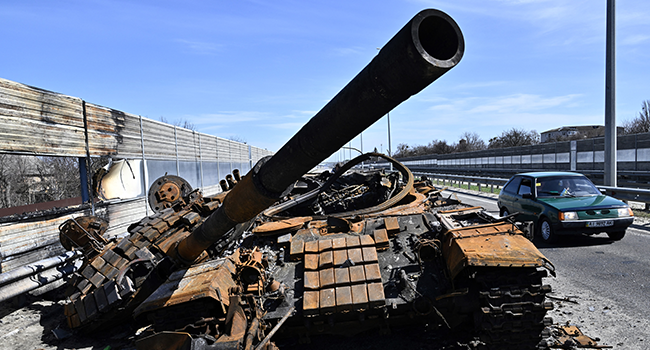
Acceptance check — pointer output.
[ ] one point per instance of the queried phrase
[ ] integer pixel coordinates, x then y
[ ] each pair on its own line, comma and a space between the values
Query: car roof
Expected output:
539, 174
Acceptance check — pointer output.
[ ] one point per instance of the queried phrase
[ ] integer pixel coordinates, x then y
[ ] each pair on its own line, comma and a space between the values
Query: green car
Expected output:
563, 203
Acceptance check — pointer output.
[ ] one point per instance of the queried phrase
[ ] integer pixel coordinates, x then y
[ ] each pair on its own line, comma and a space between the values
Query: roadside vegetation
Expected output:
471, 141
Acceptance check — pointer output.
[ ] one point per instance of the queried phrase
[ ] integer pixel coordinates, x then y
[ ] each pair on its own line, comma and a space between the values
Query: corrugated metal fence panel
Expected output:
255, 155
242, 152
223, 149
131, 143
259, 153
28, 241
208, 147
158, 140
122, 214
39, 121
209, 191
105, 126
188, 144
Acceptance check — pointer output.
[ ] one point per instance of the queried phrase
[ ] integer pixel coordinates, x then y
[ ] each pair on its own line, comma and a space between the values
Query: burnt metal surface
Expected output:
85, 233
570, 337
303, 276
167, 191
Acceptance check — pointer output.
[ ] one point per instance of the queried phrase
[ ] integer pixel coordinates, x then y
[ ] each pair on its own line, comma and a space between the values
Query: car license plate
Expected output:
603, 223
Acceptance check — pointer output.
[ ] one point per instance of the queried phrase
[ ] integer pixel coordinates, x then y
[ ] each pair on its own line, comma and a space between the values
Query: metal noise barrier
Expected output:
423, 50
29, 277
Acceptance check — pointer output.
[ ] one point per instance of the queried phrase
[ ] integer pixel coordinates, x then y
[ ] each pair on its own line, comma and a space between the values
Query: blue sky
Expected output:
258, 70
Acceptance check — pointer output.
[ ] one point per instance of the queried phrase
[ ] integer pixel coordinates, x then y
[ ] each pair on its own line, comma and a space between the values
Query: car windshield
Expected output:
565, 186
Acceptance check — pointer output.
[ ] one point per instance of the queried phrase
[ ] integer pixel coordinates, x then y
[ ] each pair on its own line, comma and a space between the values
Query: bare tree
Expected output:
237, 138
401, 151
440, 147
514, 137
180, 123
641, 123
26, 179
14, 180
470, 141
59, 178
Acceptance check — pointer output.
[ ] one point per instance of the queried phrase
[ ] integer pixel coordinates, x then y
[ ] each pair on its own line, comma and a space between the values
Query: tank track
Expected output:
512, 310
106, 284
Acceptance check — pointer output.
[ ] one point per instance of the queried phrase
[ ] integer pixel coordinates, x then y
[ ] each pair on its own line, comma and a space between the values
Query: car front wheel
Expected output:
616, 236
504, 212
546, 231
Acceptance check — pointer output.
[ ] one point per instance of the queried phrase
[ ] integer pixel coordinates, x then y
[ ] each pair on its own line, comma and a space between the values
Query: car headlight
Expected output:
568, 215
625, 212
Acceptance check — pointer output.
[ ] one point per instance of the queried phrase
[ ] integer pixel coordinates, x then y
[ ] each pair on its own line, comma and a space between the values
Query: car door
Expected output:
508, 195
525, 203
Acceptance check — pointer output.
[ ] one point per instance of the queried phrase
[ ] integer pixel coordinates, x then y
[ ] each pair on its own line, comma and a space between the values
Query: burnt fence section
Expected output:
39, 123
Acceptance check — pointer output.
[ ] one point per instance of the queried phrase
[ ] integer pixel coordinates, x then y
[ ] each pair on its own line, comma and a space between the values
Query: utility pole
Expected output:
610, 97
389, 145
389, 148
361, 138
350, 145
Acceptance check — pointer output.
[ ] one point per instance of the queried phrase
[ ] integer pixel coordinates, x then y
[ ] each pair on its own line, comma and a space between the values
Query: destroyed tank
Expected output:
282, 253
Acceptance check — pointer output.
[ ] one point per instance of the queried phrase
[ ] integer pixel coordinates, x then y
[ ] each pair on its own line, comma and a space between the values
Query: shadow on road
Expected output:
574, 241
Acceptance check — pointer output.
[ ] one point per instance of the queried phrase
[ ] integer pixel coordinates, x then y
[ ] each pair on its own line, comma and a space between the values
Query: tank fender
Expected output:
490, 245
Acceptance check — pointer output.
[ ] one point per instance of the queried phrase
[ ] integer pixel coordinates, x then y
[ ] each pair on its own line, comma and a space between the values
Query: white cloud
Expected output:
251, 121
200, 47
348, 51
227, 117
578, 20
635, 39
489, 116
480, 85
521, 103
517, 103
284, 126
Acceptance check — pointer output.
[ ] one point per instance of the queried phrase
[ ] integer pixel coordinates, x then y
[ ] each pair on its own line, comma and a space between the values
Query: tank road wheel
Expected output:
512, 311
546, 231
616, 236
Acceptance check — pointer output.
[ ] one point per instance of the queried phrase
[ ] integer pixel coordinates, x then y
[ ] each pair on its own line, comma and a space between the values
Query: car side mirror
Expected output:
527, 195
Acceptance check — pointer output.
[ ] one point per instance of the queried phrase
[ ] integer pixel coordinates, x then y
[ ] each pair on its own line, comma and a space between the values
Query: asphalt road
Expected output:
610, 276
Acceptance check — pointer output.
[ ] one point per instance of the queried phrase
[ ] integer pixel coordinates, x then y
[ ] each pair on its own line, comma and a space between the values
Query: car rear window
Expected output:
512, 185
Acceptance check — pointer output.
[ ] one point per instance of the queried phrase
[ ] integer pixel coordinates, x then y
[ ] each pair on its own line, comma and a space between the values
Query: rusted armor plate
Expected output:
490, 245
281, 226
212, 280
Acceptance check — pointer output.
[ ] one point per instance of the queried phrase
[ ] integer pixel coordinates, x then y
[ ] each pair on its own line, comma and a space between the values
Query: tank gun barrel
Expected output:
429, 45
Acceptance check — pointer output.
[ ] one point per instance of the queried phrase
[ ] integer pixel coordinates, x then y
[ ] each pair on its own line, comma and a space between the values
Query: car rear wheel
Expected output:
504, 212
616, 236
546, 231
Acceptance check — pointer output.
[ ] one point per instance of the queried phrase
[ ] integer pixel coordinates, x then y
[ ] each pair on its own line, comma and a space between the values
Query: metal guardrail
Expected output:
622, 193
627, 194
478, 180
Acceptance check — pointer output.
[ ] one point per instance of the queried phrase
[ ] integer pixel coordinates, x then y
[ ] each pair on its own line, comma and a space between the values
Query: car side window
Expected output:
526, 187
512, 185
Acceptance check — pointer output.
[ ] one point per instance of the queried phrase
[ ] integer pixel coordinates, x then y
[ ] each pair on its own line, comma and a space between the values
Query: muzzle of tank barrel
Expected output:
427, 47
